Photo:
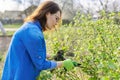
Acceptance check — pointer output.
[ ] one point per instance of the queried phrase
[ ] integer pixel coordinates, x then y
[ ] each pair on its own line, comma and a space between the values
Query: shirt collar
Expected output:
38, 24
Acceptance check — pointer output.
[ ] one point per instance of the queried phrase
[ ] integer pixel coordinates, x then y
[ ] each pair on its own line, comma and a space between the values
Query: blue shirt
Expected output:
26, 54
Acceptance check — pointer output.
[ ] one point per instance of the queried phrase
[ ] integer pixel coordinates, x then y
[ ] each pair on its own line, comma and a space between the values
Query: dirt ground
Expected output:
4, 43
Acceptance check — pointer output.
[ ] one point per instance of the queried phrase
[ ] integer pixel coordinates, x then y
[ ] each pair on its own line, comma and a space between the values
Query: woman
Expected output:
27, 51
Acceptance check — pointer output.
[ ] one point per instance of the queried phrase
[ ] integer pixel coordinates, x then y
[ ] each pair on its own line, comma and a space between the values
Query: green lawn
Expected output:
8, 33
12, 25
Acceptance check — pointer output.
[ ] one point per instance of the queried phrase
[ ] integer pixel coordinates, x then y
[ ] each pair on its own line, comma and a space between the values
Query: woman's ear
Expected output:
47, 14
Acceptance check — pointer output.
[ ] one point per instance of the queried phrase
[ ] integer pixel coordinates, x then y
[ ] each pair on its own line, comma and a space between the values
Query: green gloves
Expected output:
68, 64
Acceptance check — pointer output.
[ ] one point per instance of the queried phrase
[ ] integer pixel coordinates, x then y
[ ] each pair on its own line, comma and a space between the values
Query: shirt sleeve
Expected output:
53, 65
34, 43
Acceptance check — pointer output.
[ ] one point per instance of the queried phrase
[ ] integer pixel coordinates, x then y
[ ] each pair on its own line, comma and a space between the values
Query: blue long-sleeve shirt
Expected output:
26, 54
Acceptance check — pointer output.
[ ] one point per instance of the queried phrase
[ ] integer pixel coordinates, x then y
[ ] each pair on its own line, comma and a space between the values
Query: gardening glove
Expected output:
68, 64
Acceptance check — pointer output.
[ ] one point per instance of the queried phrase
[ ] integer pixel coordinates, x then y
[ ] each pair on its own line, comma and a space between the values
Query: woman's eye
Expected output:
56, 19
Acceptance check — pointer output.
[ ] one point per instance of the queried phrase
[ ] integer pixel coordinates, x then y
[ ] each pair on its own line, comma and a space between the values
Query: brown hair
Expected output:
41, 11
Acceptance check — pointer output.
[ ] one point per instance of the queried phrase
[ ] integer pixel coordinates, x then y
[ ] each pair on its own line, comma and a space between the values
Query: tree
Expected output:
31, 3
68, 8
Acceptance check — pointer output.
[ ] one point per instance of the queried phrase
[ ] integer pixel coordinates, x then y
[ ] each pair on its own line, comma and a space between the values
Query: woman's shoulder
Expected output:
29, 28
32, 25
33, 29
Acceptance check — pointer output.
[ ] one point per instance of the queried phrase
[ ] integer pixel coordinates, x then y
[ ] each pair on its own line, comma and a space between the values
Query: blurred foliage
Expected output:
96, 45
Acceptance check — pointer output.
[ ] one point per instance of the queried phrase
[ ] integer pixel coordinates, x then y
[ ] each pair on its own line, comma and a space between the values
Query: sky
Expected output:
10, 5
14, 5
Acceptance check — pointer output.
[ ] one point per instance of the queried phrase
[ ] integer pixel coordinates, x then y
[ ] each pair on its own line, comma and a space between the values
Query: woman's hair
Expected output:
41, 11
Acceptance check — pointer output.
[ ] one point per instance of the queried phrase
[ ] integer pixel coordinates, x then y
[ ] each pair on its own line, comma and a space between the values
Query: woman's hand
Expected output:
68, 64
48, 55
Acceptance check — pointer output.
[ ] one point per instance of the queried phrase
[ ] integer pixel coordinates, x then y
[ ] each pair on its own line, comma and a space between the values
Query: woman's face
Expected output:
52, 19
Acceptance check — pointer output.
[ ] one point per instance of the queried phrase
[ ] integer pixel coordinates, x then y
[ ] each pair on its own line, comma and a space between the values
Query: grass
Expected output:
10, 33
12, 25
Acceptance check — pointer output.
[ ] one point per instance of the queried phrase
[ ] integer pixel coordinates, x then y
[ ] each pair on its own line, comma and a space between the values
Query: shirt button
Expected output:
39, 57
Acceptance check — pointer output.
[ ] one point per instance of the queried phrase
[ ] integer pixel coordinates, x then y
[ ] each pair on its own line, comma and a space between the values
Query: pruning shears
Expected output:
60, 57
